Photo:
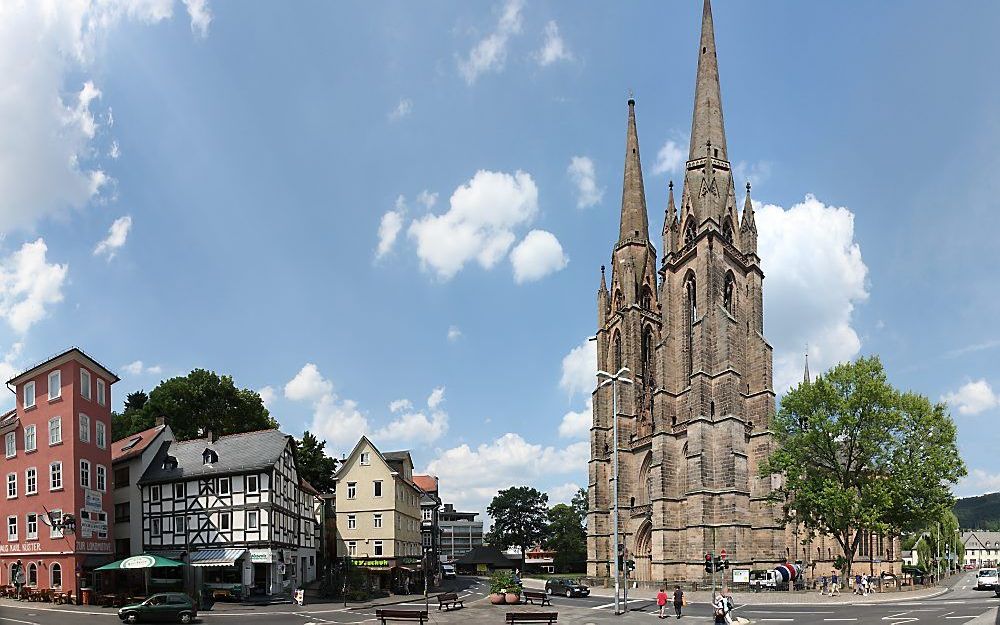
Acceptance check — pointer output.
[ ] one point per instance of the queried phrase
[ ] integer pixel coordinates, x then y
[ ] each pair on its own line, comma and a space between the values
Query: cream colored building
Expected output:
378, 514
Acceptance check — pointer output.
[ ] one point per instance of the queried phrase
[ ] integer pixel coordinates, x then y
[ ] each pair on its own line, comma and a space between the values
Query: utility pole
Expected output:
613, 380
938, 567
715, 566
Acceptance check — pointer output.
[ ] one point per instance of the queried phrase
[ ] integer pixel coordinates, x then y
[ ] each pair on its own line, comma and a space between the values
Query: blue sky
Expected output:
390, 218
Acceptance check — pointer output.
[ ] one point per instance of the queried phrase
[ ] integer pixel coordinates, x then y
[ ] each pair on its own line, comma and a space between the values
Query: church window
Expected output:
729, 293
689, 233
617, 347
690, 289
727, 230
619, 300
647, 298
647, 350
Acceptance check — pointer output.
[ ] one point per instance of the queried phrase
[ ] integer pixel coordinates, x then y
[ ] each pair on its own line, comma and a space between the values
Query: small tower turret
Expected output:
748, 229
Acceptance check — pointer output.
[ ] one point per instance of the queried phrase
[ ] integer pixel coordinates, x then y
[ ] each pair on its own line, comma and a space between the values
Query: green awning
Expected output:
145, 561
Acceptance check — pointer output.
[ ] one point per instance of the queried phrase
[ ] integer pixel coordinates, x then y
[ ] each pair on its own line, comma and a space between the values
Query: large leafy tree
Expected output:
520, 518
195, 403
858, 455
566, 536
313, 464
126, 422
579, 503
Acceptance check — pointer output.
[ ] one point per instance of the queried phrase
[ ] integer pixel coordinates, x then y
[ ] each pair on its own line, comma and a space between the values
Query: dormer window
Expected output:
169, 463
209, 457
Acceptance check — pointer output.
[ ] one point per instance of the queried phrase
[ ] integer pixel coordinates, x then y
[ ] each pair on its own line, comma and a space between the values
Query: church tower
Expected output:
694, 427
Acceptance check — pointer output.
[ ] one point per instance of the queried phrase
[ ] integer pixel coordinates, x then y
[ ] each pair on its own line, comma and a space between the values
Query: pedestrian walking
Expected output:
729, 604
834, 584
679, 600
857, 584
661, 601
719, 609
823, 585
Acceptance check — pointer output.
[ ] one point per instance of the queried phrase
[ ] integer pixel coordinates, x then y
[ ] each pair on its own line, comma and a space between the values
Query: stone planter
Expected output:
512, 598
497, 598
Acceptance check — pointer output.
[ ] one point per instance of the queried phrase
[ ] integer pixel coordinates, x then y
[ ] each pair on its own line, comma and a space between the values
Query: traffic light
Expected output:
620, 562
631, 565
709, 568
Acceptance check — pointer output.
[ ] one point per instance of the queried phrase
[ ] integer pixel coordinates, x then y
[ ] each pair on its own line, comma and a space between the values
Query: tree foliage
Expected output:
567, 537
313, 464
193, 404
858, 455
520, 518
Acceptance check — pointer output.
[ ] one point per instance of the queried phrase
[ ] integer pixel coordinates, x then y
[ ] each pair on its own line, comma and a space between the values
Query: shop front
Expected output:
219, 573
271, 571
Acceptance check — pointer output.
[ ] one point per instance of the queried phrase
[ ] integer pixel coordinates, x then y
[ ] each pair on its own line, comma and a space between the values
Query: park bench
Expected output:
401, 615
449, 600
533, 617
531, 596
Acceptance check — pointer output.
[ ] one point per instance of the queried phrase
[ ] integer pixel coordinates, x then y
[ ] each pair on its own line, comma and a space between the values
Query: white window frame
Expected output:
179, 490
228, 489
55, 476
11, 486
377, 520
154, 493
85, 473
352, 521
85, 383
365, 458
352, 490
101, 478
12, 536
225, 521
256, 484
10, 444
55, 516
55, 433
30, 438
154, 528
57, 374
167, 525
84, 428
377, 489
377, 548
31, 519
29, 386
30, 475
55, 568
100, 434
180, 525
101, 388
253, 520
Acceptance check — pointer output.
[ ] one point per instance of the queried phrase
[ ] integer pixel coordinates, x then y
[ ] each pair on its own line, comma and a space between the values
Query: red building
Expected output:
56, 472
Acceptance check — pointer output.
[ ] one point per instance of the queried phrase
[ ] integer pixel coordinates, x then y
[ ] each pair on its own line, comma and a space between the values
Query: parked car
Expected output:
969, 567
568, 587
448, 571
167, 607
986, 579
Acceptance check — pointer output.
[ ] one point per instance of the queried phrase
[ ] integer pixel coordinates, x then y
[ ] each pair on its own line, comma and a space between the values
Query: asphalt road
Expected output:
959, 605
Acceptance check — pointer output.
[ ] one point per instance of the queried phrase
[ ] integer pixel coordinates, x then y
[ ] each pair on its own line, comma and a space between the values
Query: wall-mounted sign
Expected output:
92, 501
369, 562
20, 547
261, 556
741, 576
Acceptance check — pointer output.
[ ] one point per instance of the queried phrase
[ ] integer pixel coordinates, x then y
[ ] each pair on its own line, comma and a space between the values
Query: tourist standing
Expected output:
835, 584
661, 601
679, 601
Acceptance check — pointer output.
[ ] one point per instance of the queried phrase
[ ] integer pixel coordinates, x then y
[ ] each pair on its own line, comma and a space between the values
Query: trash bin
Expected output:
85, 596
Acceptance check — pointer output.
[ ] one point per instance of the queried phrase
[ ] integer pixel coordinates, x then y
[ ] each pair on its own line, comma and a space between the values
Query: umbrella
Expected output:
145, 561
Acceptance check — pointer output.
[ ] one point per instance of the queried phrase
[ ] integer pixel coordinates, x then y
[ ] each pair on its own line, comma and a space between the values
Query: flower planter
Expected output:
512, 598
497, 598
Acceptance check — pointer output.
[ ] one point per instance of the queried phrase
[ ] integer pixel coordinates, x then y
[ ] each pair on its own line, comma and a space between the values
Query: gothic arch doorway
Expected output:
643, 552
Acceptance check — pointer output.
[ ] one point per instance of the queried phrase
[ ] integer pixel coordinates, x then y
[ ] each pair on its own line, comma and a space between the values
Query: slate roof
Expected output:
118, 448
237, 453
981, 540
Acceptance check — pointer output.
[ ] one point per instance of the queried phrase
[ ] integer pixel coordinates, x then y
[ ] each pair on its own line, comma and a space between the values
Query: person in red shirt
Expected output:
661, 600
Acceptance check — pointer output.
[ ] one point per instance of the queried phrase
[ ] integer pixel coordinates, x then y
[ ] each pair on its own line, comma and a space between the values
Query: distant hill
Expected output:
980, 513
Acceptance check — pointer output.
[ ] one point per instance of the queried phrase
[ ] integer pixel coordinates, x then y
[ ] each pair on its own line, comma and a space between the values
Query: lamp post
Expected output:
613, 380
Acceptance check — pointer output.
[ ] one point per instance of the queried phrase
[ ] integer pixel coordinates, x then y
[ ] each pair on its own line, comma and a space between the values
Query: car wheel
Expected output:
569, 593
131, 617
186, 617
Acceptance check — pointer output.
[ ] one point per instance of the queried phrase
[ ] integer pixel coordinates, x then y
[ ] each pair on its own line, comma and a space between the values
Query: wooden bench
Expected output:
401, 615
532, 617
531, 596
449, 600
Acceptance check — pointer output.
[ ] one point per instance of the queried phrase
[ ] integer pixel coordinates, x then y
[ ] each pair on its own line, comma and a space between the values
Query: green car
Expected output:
167, 607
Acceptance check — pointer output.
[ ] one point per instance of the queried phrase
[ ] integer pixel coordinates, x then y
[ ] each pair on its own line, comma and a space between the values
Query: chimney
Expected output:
161, 420
211, 436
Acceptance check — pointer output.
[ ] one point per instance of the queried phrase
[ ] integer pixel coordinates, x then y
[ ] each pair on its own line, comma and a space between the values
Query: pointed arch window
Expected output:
691, 301
619, 300
647, 298
617, 352
727, 230
729, 293
647, 352
689, 232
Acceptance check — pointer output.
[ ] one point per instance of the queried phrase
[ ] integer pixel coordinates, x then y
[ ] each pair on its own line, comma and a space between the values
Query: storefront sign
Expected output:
741, 576
259, 556
482, 568
20, 547
93, 546
138, 562
369, 562
411, 560
92, 501
92, 528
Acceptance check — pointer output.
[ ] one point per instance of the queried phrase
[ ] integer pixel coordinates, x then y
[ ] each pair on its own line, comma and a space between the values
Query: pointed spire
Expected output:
671, 217
748, 221
706, 124
634, 222
604, 285
805, 374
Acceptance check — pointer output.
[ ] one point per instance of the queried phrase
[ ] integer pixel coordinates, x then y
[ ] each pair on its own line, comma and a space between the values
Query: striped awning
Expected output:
216, 557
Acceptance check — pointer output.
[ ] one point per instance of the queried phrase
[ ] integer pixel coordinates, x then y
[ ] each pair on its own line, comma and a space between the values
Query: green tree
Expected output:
579, 503
125, 422
566, 536
197, 402
520, 516
858, 455
313, 464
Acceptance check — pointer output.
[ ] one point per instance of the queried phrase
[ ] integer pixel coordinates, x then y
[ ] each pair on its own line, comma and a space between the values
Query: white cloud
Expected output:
815, 278
389, 227
403, 109
978, 482
577, 424
454, 333
9, 367
490, 54
478, 224
117, 235
427, 199
669, 159
581, 171
201, 17
114, 151
976, 347
334, 419
554, 49
137, 367
973, 398
49, 158
755, 173
511, 461
29, 285
267, 395
415, 427
536, 256
579, 369
435, 398
400, 405
563, 493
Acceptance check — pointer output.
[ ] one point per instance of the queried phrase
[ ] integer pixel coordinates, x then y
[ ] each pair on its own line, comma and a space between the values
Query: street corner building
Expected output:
55, 467
233, 508
694, 426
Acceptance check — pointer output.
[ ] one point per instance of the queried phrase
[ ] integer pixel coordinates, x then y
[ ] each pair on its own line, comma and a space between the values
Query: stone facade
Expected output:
694, 427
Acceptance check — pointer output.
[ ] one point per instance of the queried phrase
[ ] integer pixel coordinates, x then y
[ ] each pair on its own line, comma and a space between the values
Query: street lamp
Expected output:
613, 380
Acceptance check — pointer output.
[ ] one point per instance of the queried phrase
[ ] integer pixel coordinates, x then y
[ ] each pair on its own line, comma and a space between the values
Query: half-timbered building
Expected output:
232, 507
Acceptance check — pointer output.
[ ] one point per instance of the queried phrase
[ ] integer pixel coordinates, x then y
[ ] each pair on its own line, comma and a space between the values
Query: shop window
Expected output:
32, 574
56, 573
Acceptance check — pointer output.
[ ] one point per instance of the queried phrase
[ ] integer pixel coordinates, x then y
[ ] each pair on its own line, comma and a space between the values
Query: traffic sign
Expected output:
722, 554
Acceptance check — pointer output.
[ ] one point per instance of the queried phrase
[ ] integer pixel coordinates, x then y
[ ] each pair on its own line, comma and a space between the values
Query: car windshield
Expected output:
988, 573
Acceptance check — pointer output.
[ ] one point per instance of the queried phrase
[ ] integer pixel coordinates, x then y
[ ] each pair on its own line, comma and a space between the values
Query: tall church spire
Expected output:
805, 373
707, 122
634, 222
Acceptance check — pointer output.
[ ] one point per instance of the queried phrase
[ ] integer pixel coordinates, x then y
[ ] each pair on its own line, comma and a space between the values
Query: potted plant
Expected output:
504, 588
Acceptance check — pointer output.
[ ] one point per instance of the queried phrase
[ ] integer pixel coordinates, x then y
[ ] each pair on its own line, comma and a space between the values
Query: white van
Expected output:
986, 579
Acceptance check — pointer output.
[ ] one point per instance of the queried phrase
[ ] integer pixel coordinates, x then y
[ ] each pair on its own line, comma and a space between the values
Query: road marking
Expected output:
969, 616
777, 619
603, 607
840, 619
14, 620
